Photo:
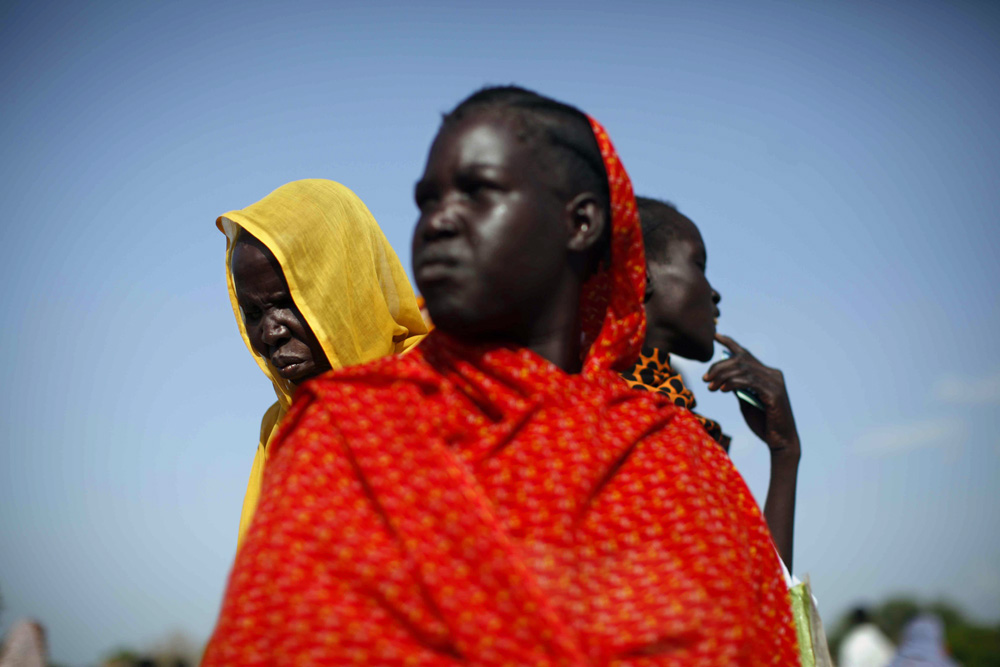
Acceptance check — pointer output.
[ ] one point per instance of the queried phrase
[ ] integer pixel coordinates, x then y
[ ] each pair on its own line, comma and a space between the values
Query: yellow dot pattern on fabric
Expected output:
584, 523
477, 505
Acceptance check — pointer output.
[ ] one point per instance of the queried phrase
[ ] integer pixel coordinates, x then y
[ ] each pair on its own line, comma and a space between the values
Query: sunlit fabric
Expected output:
343, 276
477, 505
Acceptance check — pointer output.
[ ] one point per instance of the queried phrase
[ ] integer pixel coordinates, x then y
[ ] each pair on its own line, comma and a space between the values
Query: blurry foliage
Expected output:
121, 657
893, 615
970, 644
176, 650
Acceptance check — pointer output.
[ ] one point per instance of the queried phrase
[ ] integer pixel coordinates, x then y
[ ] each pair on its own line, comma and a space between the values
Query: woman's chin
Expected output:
702, 352
297, 373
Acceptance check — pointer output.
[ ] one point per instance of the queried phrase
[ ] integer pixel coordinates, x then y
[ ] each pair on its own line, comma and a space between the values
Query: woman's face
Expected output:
683, 303
489, 245
274, 324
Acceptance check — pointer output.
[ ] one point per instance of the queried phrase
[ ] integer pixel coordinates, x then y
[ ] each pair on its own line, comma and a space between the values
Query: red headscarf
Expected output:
477, 505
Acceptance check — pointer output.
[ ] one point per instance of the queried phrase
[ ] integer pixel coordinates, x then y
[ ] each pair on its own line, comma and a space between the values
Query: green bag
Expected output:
813, 650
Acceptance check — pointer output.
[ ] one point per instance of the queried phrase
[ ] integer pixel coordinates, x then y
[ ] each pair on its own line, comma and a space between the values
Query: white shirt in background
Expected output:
866, 646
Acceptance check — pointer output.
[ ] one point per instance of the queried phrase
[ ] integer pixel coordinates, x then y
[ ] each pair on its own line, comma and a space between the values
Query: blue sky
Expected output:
839, 157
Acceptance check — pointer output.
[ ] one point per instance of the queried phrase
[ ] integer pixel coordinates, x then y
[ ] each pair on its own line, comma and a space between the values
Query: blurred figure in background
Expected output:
314, 286
24, 646
923, 645
865, 644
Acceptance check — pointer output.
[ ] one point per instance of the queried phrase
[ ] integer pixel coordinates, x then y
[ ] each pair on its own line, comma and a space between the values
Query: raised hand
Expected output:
775, 424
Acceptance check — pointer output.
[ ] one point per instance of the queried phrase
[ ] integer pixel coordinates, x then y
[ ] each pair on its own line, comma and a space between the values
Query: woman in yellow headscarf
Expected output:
315, 286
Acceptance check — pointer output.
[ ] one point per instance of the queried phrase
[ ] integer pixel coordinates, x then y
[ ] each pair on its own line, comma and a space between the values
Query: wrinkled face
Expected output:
276, 328
683, 303
489, 244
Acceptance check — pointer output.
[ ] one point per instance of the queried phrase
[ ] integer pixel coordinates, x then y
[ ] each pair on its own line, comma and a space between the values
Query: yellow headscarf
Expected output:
344, 278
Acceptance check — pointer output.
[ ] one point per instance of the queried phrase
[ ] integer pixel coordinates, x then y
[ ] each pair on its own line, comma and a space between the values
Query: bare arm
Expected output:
779, 508
775, 425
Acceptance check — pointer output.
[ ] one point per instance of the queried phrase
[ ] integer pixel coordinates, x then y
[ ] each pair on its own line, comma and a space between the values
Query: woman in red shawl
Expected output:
499, 496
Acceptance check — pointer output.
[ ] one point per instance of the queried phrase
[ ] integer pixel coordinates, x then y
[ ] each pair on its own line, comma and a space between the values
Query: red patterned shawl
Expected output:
477, 505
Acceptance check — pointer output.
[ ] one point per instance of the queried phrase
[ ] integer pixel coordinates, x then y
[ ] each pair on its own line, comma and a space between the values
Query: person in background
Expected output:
500, 496
24, 645
865, 645
922, 644
682, 309
315, 286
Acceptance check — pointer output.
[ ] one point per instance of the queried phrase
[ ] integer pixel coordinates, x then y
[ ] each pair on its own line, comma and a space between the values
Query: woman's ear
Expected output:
587, 219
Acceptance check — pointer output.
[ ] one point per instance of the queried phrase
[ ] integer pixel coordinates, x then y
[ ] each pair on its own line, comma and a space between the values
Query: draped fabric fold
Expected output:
344, 278
474, 504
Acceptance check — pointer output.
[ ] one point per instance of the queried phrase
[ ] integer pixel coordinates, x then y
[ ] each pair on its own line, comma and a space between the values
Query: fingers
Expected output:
720, 367
733, 346
740, 359
744, 374
732, 377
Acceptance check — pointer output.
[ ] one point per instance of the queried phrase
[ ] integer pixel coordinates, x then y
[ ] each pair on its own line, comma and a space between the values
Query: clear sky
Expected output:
841, 159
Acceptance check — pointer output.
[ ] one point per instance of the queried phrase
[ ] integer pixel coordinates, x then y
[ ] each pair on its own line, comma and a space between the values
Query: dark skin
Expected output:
681, 310
503, 244
276, 328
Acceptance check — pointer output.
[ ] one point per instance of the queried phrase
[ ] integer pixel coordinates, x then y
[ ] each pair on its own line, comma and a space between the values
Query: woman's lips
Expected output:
290, 368
435, 269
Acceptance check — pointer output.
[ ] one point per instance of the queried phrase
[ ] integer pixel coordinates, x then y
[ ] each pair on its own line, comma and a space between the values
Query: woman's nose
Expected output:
439, 223
273, 330
716, 297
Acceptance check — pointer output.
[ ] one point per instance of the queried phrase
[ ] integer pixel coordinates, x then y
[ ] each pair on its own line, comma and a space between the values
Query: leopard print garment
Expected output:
653, 373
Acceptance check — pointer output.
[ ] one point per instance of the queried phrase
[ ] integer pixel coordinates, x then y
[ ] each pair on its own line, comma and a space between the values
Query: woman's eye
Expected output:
424, 195
252, 314
425, 204
476, 188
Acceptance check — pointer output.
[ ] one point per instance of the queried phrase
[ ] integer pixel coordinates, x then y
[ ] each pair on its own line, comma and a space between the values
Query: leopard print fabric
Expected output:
653, 373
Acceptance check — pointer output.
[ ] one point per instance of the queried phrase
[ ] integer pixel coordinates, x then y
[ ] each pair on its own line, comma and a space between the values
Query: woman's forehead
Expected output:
484, 139
249, 249
687, 231
491, 139
255, 267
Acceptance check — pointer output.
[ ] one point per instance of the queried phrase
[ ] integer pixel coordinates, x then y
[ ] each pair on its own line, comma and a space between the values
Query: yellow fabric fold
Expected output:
343, 276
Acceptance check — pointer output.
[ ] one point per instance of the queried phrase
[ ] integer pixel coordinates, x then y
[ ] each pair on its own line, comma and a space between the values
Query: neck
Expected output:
657, 339
553, 328
556, 348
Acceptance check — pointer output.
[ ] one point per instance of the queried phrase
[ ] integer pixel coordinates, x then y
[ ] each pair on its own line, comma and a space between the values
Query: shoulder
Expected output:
866, 643
270, 421
378, 397
383, 387
382, 377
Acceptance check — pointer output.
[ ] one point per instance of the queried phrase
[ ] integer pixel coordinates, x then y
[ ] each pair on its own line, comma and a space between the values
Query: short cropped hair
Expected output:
560, 125
860, 615
564, 128
661, 223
